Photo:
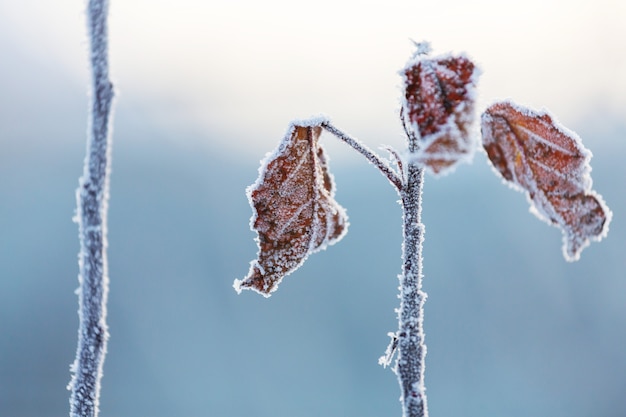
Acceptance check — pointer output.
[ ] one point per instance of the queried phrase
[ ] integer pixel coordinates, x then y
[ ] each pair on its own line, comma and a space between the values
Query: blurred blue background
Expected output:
204, 90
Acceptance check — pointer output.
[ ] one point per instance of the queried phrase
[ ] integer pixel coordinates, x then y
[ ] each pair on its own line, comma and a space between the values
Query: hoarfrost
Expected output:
535, 154
91, 216
295, 213
438, 108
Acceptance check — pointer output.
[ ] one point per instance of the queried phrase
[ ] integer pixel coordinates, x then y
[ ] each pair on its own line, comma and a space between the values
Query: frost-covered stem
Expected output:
410, 336
92, 197
368, 153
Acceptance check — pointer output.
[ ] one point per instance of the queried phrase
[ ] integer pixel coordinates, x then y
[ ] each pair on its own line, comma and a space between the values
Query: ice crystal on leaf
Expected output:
439, 95
295, 213
532, 151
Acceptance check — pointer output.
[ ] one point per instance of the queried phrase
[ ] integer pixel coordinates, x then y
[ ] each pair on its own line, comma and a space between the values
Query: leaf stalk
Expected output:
370, 155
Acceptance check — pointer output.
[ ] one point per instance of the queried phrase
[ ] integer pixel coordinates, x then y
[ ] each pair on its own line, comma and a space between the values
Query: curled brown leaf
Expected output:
295, 213
439, 94
533, 152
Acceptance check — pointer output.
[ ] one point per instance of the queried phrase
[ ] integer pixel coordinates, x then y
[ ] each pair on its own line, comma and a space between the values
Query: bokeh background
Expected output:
205, 88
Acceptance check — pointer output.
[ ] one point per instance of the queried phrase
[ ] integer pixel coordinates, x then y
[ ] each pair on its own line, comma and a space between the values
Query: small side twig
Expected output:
398, 161
92, 198
371, 156
410, 133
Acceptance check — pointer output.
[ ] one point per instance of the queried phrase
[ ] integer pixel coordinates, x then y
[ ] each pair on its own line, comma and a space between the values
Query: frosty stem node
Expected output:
92, 197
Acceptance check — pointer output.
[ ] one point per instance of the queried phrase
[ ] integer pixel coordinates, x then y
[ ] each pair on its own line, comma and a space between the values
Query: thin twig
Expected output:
92, 197
399, 163
410, 133
371, 156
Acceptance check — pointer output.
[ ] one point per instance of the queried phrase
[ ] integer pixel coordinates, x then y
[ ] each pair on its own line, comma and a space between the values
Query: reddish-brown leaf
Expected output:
532, 151
294, 206
439, 104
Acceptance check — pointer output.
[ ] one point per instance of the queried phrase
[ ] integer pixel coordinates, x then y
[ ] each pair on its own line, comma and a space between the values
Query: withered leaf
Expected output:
533, 152
439, 95
295, 213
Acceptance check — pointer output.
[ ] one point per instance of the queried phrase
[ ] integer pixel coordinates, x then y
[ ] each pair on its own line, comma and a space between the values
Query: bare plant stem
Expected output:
410, 337
92, 198
411, 347
409, 340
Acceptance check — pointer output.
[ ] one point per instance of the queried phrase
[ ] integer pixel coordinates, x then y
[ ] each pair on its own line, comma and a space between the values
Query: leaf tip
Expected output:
259, 281
237, 286
595, 217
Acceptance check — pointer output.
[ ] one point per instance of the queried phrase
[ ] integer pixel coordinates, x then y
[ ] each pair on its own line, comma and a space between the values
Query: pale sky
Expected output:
246, 68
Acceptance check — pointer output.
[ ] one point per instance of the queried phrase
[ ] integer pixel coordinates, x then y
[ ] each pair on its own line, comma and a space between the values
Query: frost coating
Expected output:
374, 159
314, 121
92, 197
437, 113
438, 108
535, 154
295, 213
411, 345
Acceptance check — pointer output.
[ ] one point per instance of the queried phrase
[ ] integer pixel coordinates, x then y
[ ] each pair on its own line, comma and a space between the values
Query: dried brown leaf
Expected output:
532, 151
294, 206
439, 104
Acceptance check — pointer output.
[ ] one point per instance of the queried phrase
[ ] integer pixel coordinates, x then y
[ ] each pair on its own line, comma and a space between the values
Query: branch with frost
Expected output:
295, 213
409, 339
368, 154
92, 198
410, 343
